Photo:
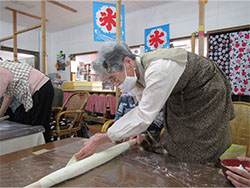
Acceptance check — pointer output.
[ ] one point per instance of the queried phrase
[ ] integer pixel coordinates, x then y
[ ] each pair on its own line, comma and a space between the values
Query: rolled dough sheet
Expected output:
73, 160
82, 166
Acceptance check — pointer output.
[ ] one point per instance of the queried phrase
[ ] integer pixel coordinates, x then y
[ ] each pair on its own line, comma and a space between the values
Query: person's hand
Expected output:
90, 146
138, 138
242, 178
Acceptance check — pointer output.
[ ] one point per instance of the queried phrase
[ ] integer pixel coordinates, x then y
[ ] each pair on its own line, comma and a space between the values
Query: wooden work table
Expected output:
16, 136
133, 168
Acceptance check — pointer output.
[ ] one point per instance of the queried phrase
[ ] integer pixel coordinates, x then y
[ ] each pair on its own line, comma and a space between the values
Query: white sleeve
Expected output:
160, 78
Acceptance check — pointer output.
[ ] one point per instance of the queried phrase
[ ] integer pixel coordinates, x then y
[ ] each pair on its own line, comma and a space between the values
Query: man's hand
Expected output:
240, 178
90, 146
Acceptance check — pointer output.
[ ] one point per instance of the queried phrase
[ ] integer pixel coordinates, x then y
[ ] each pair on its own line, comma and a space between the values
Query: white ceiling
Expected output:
60, 18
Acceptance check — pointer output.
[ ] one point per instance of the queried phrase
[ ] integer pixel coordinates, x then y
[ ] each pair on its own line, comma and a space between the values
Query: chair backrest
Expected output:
76, 101
240, 126
69, 118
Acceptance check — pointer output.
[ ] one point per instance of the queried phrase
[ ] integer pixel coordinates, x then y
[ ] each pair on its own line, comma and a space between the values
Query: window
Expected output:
81, 69
186, 44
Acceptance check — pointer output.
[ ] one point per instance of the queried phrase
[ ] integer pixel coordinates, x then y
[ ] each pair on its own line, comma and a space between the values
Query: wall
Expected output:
27, 40
181, 15
30, 40
70, 41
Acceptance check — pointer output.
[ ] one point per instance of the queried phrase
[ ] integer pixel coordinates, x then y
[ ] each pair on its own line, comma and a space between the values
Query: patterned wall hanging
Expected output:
60, 61
219, 51
240, 62
104, 15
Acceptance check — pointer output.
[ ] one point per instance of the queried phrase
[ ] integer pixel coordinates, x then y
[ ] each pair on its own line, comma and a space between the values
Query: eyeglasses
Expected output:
110, 80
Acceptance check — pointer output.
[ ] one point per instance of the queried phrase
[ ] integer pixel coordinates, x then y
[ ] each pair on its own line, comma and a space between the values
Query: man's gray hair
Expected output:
111, 56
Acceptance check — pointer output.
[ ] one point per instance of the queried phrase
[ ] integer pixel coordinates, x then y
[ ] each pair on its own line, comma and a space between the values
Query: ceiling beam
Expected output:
62, 5
19, 32
6, 38
24, 13
28, 29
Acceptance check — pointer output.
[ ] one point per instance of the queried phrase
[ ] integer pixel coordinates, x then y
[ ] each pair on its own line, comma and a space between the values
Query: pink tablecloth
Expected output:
97, 103
66, 96
100, 103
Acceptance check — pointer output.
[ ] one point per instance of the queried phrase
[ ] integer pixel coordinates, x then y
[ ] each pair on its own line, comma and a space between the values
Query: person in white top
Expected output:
193, 91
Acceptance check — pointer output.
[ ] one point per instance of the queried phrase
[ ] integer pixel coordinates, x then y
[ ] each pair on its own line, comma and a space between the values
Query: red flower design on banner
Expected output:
239, 62
243, 90
155, 39
108, 19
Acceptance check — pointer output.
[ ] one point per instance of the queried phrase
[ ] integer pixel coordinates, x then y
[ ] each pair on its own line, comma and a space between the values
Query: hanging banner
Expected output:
104, 15
157, 37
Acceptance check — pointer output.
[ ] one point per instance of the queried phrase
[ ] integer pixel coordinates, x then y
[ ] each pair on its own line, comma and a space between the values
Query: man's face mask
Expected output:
129, 82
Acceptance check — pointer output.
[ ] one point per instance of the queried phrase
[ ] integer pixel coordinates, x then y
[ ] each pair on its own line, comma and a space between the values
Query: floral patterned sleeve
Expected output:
125, 104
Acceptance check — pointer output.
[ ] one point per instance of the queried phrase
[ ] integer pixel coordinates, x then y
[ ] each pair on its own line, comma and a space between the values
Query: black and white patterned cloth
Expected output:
240, 62
20, 86
219, 51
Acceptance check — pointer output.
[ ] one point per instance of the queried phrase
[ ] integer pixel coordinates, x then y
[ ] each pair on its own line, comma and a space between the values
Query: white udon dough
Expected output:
83, 166
73, 160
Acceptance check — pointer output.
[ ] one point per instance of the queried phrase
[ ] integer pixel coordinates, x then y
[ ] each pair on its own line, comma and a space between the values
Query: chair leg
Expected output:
248, 151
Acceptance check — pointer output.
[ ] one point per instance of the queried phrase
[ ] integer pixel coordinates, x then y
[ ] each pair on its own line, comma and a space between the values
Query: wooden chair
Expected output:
57, 103
69, 119
240, 126
109, 123
106, 125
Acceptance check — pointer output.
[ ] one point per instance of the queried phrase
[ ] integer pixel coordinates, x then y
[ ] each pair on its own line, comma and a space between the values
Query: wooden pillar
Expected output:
193, 41
43, 20
14, 36
201, 26
118, 19
118, 37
